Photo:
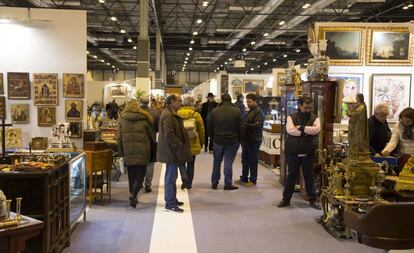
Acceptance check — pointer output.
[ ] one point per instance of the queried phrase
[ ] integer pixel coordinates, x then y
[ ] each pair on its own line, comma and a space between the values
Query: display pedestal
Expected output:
269, 151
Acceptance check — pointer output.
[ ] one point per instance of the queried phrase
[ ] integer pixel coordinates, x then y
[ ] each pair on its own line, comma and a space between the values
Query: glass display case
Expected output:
77, 169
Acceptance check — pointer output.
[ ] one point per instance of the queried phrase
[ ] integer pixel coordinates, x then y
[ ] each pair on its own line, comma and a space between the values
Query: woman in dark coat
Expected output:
135, 138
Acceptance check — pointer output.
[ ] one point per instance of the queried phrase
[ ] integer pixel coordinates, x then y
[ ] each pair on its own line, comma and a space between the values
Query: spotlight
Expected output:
95, 56
265, 63
113, 18
230, 59
266, 34
274, 60
251, 69
199, 21
192, 42
186, 58
113, 66
285, 55
244, 50
195, 33
305, 6
252, 43
297, 50
108, 64
135, 47
129, 40
282, 22
225, 63
87, 52
188, 54
122, 31
405, 8
190, 48
205, 3
101, 1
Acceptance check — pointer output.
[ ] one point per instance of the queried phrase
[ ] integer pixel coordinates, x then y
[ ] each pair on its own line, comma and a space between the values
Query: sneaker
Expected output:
230, 187
249, 184
148, 189
283, 203
214, 186
179, 203
314, 205
174, 209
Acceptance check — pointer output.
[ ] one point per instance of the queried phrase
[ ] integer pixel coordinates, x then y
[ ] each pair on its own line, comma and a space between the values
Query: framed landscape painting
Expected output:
344, 44
46, 116
352, 85
392, 89
252, 86
20, 113
73, 85
18, 85
45, 89
389, 46
119, 91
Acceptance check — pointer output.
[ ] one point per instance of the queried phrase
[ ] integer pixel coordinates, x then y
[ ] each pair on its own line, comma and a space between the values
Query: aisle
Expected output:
219, 221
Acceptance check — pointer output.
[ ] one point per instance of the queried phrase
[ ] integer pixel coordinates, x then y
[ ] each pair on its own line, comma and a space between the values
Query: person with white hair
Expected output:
379, 131
194, 125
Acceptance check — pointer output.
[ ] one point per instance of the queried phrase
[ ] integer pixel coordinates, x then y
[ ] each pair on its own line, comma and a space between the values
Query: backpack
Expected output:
191, 126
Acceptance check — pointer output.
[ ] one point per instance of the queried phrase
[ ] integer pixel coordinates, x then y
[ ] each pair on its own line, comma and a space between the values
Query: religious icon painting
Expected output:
20, 113
73, 85
46, 116
45, 89
73, 109
2, 107
1, 84
75, 128
13, 137
18, 85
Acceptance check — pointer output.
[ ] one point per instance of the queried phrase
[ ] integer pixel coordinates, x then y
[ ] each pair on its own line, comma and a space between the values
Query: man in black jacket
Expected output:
251, 140
302, 130
224, 125
206, 110
379, 132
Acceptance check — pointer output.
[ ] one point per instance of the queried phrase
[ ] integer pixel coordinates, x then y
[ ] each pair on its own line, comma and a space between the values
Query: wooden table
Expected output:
98, 163
13, 239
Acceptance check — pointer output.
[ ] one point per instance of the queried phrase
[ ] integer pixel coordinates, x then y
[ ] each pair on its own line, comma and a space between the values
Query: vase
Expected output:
318, 68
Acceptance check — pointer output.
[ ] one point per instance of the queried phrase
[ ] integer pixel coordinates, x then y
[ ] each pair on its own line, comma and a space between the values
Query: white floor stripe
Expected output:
172, 232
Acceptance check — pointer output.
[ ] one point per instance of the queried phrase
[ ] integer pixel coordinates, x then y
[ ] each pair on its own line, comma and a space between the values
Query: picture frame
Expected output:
352, 85
345, 44
119, 91
253, 86
392, 89
73, 109
75, 128
390, 46
237, 82
237, 90
1, 84
3, 114
46, 116
13, 137
45, 87
20, 113
18, 85
73, 85
39, 143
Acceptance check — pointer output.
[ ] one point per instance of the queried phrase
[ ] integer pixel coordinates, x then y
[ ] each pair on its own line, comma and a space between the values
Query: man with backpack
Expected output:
194, 125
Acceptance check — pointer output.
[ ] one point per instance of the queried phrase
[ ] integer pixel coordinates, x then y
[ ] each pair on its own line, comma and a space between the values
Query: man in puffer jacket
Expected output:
195, 128
135, 134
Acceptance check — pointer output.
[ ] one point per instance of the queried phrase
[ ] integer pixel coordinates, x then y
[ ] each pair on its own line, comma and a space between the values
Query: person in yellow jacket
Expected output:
193, 123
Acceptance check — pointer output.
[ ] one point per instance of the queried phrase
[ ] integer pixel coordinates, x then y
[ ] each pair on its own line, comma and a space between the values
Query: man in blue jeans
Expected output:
173, 149
224, 124
251, 140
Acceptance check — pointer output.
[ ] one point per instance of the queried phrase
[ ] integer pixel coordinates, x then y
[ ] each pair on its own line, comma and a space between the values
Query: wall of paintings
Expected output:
42, 69
375, 59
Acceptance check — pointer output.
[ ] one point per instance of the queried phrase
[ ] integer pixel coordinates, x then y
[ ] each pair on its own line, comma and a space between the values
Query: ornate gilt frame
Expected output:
336, 62
372, 62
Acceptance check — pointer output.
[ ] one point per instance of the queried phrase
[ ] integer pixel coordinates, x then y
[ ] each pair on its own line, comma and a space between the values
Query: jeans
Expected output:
228, 152
149, 175
136, 176
187, 172
170, 179
294, 163
250, 160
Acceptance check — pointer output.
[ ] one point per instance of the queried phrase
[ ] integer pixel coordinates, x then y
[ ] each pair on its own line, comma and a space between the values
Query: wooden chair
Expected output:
98, 171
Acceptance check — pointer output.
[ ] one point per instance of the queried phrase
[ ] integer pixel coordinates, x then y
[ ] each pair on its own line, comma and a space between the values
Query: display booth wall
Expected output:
52, 41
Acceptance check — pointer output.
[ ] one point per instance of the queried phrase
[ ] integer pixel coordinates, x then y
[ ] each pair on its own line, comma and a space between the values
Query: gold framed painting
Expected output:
13, 137
45, 89
46, 116
18, 85
75, 128
2, 107
73, 109
1, 84
345, 45
119, 91
390, 46
73, 85
253, 86
20, 113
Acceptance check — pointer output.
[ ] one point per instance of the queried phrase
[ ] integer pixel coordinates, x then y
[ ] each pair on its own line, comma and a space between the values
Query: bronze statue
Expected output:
358, 137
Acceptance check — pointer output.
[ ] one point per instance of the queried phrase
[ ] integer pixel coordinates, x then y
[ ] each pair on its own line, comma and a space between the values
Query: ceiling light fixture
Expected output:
122, 31
252, 43
251, 69
265, 63
410, 5
135, 47
297, 50
195, 33
102, 60
205, 3
129, 40
274, 60
87, 52
95, 56
405, 8
215, 70
244, 50
108, 64
221, 65
192, 41
282, 22
305, 6
190, 48
113, 18
101, 1
285, 55
185, 62
230, 59
265, 34
199, 21
186, 58
188, 54
113, 66
258, 66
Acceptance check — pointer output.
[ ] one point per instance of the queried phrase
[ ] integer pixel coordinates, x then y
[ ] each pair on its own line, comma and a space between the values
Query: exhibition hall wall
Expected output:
42, 41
